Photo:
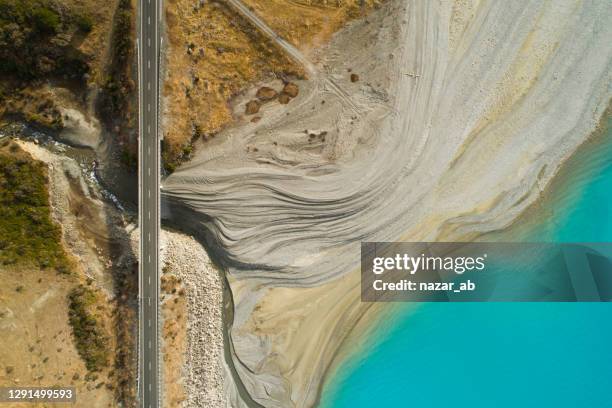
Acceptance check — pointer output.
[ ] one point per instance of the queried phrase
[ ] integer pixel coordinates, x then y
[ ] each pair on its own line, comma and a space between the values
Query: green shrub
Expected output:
118, 85
84, 23
27, 232
46, 20
29, 49
129, 158
187, 150
91, 341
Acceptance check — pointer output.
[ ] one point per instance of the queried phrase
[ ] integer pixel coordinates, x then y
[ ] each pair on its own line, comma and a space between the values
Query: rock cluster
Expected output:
203, 367
267, 94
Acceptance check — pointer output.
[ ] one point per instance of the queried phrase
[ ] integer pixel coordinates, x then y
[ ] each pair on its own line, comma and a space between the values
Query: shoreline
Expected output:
347, 357
563, 176
364, 335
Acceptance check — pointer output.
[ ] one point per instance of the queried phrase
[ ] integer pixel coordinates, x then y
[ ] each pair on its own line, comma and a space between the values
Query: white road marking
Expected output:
153, 47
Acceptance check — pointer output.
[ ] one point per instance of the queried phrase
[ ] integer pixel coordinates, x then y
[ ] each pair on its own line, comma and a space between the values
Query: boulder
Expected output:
252, 107
266, 93
291, 89
284, 98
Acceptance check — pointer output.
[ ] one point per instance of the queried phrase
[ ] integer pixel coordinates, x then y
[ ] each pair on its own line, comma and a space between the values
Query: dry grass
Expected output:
309, 24
61, 328
37, 345
174, 314
50, 336
213, 55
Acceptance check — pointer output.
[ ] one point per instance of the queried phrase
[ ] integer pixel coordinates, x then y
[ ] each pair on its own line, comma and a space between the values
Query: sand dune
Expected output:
463, 113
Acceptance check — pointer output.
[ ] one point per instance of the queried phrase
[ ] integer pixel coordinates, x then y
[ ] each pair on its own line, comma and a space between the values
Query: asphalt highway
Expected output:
148, 178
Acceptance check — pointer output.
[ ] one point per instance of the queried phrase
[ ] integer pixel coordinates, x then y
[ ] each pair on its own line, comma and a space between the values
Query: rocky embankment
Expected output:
201, 355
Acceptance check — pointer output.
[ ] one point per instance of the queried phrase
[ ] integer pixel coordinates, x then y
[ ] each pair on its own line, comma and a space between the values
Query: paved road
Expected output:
149, 173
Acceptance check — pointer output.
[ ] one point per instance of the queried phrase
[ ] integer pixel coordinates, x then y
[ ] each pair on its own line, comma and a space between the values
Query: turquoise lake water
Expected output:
500, 354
